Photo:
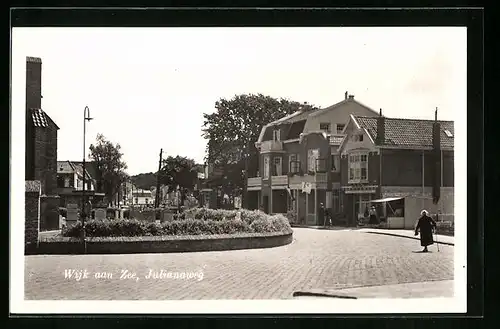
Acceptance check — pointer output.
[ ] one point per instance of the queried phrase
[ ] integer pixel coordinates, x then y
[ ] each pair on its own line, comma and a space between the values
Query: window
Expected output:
357, 138
276, 135
277, 167
294, 163
146, 200
136, 200
320, 165
266, 167
340, 128
335, 162
60, 181
312, 156
325, 126
358, 167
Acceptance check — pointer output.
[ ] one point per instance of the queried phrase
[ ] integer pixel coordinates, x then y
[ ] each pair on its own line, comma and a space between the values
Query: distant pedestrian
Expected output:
373, 216
425, 225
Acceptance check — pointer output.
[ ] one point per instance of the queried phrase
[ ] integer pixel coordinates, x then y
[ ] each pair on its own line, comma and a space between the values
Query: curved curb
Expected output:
408, 237
163, 244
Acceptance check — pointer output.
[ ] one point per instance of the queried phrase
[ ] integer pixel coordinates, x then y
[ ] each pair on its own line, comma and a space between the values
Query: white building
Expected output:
142, 197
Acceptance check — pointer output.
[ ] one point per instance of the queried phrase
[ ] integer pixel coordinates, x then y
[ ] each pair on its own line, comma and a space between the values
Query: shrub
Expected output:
249, 216
291, 216
203, 221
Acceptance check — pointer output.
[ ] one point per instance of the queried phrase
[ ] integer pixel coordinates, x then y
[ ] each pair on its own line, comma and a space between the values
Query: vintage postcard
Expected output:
239, 170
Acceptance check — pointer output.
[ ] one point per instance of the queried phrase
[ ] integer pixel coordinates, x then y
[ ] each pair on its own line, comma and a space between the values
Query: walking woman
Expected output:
373, 216
425, 225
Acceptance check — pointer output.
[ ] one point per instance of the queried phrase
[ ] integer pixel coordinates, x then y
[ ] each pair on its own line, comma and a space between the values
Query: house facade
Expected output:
70, 183
142, 197
41, 146
347, 154
299, 165
390, 157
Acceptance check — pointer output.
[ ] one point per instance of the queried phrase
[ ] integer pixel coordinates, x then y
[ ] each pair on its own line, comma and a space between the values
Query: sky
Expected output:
147, 88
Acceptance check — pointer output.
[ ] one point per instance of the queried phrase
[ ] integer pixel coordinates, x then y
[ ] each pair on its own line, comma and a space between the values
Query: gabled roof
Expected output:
40, 118
64, 167
407, 133
70, 167
345, 101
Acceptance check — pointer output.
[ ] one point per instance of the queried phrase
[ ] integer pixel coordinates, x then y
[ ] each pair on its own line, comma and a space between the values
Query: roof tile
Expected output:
408, 132
32, 186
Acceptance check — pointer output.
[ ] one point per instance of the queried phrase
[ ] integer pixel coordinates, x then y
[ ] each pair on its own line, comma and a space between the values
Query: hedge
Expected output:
191, 222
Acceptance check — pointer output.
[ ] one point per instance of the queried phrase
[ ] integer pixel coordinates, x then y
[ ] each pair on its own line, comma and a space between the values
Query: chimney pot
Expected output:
351, 96
380, 113
345, 96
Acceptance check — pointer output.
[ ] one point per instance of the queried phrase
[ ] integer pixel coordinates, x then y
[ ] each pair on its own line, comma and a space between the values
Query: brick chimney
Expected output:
33, 100
380, 129
436, 146
33, 82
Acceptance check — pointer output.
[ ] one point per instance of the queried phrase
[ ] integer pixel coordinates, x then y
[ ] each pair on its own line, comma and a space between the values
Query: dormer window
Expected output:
448, 133
340, 128
276, 135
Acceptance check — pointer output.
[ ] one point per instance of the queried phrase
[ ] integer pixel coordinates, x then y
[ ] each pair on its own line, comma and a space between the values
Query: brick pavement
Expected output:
315, 259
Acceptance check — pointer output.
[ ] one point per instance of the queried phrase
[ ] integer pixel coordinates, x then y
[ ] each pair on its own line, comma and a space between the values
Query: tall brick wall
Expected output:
404, 168
46, 158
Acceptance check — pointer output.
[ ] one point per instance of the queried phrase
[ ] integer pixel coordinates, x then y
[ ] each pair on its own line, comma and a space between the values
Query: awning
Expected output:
383, 200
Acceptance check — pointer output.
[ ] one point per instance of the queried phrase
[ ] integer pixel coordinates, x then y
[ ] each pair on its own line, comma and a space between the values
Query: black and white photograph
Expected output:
239, 169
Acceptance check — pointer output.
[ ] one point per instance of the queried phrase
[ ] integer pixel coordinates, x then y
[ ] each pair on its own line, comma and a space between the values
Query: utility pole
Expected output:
245, 183
157, 198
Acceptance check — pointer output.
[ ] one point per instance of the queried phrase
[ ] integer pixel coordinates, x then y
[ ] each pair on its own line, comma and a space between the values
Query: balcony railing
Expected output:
307, 178
254, 181
271, 146
336, 139
279, 180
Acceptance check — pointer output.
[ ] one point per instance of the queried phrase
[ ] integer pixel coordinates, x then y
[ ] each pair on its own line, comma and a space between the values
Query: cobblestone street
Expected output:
326, 259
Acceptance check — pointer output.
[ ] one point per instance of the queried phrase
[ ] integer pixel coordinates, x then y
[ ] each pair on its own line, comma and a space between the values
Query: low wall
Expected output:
164, 244
49, 212
32, 215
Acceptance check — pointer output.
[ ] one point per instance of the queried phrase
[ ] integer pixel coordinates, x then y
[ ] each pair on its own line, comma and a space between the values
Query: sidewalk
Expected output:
428, 289
410, 234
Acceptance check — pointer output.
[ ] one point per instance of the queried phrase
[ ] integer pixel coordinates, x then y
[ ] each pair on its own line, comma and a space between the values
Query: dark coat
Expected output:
425, 225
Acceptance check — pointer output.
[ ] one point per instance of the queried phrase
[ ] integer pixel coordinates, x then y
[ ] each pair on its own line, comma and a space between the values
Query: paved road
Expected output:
339, 259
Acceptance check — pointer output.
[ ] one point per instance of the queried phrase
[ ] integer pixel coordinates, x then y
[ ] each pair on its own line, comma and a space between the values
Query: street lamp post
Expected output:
86, 117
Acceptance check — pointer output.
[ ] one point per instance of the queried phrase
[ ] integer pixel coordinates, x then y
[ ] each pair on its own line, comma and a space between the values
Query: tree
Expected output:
235, 126
144, 181
110, 168
179, 171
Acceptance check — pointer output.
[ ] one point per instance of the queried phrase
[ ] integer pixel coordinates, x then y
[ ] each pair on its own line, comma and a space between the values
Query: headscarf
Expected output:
424, 213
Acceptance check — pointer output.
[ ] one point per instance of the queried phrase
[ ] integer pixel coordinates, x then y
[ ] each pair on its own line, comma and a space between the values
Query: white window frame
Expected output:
293, 157
266, 167
312, 157
355, 164
278, 164
276, 135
